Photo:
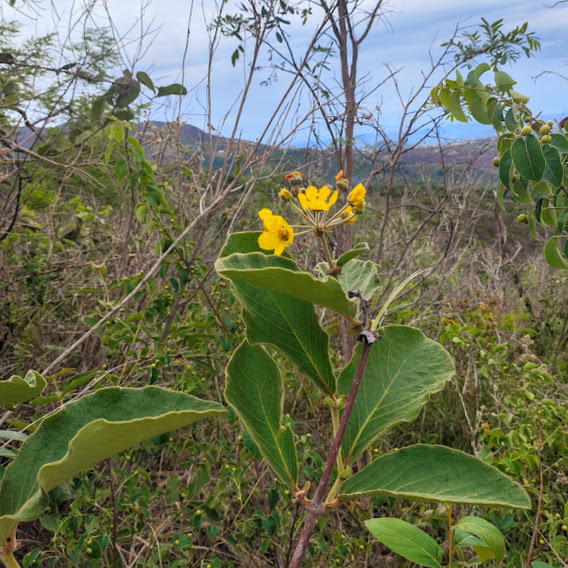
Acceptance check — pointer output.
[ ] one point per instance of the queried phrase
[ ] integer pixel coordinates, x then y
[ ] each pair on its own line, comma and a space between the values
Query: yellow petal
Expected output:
332, 199
268, 241
324, 192
303, 200
311, 192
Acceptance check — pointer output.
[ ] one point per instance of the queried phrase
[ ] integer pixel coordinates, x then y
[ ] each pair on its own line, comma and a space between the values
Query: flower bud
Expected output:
285, 195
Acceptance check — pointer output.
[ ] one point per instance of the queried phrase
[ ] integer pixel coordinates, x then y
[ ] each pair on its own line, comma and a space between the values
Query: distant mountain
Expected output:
475, 156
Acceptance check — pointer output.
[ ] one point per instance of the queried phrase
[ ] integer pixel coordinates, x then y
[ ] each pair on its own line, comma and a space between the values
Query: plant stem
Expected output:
451, 555
315, 510
9, 561
326, 250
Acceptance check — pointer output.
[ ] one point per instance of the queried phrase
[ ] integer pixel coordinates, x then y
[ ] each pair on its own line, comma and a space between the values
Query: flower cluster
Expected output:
313, 205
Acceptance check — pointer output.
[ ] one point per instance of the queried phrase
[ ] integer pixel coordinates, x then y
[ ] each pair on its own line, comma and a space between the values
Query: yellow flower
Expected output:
316, 200
357, 197
348, 213
277, 233
285, 195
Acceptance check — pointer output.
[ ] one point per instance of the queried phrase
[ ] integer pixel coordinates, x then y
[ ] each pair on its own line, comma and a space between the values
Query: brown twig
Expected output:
539, 503
316, 508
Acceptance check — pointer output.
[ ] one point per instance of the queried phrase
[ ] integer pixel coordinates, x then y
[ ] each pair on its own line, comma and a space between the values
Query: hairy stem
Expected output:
315, 509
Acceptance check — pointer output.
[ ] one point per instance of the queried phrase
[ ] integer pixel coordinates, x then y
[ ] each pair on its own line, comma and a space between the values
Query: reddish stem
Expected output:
315, 509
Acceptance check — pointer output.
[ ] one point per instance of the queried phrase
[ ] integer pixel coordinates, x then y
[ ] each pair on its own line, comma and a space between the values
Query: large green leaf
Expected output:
404, 369
83, 433
256, 391
436, 473
292, 326
288, 323
553, 171
17, 389
407, 540
528, 158
284, 275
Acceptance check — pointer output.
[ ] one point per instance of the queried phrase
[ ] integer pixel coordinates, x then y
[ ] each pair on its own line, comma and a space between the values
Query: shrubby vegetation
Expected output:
154, 416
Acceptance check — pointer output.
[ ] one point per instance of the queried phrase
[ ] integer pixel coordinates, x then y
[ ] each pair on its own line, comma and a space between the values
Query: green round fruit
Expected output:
526, 130
550, 123
546, 139
522, 218
496, 161
545, 129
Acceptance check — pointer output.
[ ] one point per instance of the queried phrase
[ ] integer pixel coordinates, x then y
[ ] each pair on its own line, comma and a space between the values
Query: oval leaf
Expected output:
436, 473
83, 433
528, 158
553, 255
144, 78
553, 171
355, 251
504, 81
404, 369
491, 537
506, 169
173, 89
455, 107
17, 389
287, 323
407, 540
256, 391
284, 275
360, 275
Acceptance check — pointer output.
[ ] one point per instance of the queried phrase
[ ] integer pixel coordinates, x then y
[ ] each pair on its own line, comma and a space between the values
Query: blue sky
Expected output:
404, 39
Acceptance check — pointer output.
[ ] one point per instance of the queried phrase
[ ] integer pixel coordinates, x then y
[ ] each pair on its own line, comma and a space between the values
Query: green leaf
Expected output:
83, 433
519, 98
480, 70
553, 171
17, 389
511, 121
355, 251
553, 255
282, 274
455, 107
144, 78
435, 473
506, 169
520, 191
559, 142
479, 111
173, 89
289, 324
500, 196
404, 369
360, 275
256, 391
528, 158
538, 564
488, 534
504, 81
532, 224
13, 435
407, 540
98, 107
